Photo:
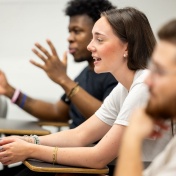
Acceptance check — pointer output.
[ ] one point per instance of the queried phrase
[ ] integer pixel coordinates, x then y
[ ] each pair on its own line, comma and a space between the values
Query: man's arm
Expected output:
38, 108
56, 71
130, 156
43, 110
129, 161
86, 103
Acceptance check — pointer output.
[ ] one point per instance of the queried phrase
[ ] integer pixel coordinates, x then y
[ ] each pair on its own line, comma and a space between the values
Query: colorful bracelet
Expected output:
23, 101
15, 96
55, 155
36, 139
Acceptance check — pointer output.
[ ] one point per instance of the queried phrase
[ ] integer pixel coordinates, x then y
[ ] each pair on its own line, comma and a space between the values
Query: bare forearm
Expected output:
44, 110
81, 157
94, 157
130, 162
67, 138
72, 144
86, 103
73, 156
83, 135
40, 109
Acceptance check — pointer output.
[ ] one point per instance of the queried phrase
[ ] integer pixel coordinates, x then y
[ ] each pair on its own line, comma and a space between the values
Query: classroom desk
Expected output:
53, 123
40, 166
21, 127
56, 124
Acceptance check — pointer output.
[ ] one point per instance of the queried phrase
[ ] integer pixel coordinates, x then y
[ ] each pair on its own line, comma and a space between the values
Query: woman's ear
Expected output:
126, 51
125, 55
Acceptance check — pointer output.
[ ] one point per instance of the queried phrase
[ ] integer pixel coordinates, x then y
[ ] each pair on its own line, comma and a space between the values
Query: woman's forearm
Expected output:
67, 138
74, 156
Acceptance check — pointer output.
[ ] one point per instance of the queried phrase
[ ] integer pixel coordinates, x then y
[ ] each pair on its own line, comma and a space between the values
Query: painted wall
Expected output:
24, 22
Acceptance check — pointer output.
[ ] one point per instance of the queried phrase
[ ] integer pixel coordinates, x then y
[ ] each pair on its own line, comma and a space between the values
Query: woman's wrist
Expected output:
34, 139
28, 139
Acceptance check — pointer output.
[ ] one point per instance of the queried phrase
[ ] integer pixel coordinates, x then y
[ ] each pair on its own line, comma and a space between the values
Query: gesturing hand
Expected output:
53, 66
143, 126
3, 83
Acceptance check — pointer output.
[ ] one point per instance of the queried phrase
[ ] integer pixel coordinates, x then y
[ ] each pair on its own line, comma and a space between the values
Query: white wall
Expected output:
24, 22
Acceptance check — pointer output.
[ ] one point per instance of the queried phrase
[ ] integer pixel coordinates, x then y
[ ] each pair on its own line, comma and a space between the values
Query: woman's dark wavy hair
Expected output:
133, 27
92, 8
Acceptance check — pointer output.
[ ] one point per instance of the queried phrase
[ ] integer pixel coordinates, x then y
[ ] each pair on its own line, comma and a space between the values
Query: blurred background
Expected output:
24, 22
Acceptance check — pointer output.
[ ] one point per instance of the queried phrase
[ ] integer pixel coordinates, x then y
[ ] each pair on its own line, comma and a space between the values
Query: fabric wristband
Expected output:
15, 96
23, 101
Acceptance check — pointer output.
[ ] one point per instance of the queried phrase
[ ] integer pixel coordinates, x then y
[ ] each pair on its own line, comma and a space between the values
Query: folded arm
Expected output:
71, 145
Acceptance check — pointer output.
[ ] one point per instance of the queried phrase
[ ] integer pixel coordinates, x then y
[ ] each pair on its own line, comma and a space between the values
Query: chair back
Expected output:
3, 106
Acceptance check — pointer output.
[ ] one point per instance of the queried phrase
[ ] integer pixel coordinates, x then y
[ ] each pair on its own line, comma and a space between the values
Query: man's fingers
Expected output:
64, 60
37, 64
39, 55
163, 125
42, 49
53, 50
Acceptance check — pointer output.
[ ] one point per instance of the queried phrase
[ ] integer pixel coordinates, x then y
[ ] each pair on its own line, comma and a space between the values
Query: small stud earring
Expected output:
124, 55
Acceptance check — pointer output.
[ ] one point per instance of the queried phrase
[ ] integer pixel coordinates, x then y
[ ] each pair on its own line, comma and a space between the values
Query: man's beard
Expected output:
162, 110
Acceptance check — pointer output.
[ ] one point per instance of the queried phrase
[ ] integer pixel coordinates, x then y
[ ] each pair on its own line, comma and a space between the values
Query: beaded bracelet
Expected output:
55, 155
36, 139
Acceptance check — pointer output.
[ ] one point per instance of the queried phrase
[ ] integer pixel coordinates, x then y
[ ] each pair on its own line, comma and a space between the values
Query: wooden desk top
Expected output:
40, 166
21, 127
50, 123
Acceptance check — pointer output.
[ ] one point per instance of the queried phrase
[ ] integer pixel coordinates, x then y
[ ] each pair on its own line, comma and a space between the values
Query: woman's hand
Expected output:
13, 149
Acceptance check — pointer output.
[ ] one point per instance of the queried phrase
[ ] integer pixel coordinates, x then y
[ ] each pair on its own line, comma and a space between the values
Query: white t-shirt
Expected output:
120, 103
165, 163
